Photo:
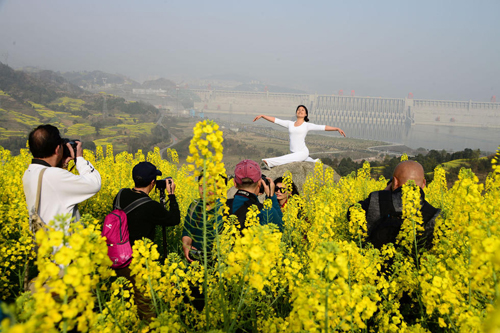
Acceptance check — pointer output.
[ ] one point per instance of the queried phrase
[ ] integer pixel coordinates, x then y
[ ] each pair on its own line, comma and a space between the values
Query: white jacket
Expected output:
61, 190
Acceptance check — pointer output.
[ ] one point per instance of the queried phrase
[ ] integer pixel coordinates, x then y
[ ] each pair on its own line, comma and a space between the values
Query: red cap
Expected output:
247, 169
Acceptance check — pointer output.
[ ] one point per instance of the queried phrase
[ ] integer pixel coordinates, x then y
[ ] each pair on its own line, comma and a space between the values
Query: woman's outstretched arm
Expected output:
271, 119
330, 128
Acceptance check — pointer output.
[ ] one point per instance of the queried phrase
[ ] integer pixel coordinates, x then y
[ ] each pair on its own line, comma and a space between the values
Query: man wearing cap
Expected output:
143, 220
248, 180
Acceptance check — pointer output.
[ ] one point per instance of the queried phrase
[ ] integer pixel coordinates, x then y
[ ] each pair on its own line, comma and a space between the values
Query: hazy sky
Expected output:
434, 49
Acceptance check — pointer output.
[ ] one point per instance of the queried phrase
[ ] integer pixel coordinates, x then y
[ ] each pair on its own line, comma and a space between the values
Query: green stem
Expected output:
219, 270
205, 271
326, 308
114, 318
240, 304
153, 295
99, 301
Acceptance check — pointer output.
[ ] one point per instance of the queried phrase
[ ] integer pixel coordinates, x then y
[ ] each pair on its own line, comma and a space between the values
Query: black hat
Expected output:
145, 172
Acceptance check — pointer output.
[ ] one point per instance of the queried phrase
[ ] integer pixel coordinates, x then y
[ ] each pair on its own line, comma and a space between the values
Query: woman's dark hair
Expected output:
44, 140
294, 187
306, 119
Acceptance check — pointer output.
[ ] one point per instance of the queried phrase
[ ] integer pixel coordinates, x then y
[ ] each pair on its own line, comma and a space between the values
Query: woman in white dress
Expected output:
297, 131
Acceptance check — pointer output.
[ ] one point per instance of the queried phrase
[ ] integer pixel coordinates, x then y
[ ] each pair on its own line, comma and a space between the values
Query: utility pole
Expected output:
177, 93
104, 107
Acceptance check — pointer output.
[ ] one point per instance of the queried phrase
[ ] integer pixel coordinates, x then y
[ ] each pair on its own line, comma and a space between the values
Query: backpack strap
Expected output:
117, 201
229, 203
429, 214
133, 205
191, 210
428, 211
136, 203
241, 212
38, 191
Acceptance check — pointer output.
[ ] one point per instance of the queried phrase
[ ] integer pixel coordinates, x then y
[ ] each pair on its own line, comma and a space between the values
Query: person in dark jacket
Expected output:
143, 220
384, 208
248, 181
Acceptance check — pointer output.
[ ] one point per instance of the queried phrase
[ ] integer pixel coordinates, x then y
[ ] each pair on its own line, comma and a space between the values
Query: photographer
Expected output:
143, 220
250, 183
60, 190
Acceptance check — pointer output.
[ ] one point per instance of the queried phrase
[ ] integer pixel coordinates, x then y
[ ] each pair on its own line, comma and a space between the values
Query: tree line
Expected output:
472, 159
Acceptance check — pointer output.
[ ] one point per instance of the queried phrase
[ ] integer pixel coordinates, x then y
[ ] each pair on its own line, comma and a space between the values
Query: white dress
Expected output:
298, 146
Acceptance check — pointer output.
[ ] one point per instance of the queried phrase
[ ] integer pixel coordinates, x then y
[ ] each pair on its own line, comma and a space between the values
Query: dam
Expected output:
375, 118
329, 109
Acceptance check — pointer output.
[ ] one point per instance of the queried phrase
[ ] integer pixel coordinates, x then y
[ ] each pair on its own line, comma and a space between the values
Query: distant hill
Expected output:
98, 78
28, 99
40, 87
270, 88
160, 83
230, 77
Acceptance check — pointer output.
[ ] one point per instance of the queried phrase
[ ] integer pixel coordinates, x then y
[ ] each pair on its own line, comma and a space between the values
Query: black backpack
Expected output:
387, 228
241, 213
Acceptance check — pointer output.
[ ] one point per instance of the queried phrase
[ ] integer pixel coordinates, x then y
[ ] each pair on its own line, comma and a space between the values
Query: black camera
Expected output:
264, 177
66, 151
162, 183
196, 255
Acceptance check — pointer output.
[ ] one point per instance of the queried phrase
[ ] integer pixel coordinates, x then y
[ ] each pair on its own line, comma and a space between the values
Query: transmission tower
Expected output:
104, 107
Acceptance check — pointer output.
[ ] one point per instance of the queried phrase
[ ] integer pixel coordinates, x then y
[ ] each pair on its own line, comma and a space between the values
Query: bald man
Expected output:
384, 208
405, 171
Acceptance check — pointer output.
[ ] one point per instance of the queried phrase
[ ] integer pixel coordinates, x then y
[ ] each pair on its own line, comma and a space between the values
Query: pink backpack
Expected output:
115, 229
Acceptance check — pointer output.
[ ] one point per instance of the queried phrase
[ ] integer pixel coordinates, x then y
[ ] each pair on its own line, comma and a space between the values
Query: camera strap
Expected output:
246, 194
133, 205
41, 162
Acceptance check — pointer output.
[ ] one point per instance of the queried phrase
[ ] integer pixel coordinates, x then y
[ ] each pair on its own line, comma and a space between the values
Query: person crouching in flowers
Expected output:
384, 209
194, 244
192, 235
281, 191
248, 181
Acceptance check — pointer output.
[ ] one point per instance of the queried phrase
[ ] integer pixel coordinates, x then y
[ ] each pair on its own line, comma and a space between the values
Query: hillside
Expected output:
40, 87
95, 79
160, 83
28, 99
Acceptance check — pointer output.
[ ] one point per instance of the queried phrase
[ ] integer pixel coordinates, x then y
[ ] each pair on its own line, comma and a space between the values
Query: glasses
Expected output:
280, 189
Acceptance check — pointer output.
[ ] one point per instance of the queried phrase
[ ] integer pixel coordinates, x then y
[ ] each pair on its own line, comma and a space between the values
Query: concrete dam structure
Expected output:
387, 119
353, 109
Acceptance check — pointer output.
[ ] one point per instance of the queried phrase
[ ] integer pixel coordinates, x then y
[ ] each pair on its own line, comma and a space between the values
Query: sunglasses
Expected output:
280, 189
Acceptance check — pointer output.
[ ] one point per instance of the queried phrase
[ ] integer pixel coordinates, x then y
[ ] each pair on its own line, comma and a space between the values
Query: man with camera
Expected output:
60, 190
250, 183
143, 220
